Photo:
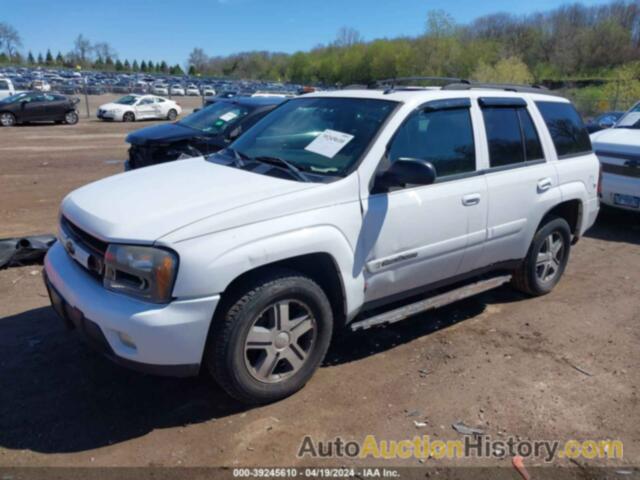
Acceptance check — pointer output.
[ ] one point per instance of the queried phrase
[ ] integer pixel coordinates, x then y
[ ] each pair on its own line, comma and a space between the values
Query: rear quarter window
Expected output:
567, 130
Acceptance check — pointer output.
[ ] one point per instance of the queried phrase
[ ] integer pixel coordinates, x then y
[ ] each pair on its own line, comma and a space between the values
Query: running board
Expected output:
437, 301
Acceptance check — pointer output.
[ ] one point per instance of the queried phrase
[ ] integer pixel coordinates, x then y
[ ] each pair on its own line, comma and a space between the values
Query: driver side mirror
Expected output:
405, 171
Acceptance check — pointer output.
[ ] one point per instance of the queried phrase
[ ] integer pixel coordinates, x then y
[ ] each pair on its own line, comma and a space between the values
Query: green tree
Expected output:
119, 66
134, 66
40, 59
59, 59
143, 66
30, 59
507, 70
48, 58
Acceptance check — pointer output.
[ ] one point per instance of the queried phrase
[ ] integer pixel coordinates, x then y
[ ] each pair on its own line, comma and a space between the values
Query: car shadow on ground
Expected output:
616, 225
59, 396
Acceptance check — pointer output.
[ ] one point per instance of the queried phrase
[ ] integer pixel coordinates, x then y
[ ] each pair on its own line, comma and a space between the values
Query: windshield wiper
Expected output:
239, 158
281, 162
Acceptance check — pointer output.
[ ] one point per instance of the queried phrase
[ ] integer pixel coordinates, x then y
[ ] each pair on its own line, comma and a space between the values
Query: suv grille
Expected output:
96, 248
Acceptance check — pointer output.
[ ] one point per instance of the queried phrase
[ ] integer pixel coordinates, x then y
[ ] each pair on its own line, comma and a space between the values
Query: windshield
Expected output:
631, 119
127, 100
319, 135
216, 118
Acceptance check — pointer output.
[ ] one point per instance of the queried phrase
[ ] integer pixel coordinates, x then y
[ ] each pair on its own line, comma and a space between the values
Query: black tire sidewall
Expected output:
172, 117
128, 117
561, 226
245, 386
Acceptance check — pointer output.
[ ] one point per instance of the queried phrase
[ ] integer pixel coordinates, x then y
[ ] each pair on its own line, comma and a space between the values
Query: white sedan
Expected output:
192, 90
139, 107
177, 90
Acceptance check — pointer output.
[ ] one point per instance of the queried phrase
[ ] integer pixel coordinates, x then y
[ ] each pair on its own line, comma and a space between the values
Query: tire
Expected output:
546, 260
128, 117
172, 115
71, 118
281, 358
7, 119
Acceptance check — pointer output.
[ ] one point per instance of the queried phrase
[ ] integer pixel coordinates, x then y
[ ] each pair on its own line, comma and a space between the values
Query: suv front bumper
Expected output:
159, 339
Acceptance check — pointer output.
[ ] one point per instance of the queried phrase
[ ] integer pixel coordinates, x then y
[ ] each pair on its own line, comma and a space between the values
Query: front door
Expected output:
145, 109
418, 235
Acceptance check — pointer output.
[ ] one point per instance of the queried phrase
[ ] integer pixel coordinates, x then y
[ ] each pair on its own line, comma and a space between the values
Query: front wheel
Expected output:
129, 117
7, 119
172, 115
71, 118
270, 338
546, 260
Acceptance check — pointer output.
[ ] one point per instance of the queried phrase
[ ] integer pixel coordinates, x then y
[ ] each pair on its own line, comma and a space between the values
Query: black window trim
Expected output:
502, 102
520, 105
566, 156
454, 103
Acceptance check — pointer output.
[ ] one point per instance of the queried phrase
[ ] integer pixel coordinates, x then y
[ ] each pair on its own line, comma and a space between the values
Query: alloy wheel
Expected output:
7, 120
280, 340
550, 257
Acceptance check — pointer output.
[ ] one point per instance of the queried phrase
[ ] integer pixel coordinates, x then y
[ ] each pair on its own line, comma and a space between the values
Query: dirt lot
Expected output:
560, 367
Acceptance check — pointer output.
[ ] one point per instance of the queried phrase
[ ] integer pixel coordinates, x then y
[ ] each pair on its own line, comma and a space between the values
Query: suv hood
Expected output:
619, 140
143, 205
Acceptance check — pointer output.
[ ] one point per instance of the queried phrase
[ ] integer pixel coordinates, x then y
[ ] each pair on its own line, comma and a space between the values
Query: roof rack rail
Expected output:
397, 80
508, 87
389, 84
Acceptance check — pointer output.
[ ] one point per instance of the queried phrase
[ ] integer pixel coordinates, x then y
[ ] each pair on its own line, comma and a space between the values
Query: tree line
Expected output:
573, 41
84, 55
570, 42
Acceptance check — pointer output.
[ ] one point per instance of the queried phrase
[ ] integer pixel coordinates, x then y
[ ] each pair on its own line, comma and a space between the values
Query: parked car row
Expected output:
72, 82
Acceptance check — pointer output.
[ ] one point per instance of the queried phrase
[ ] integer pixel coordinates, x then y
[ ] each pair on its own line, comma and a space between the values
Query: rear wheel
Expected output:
7, 119
271, 337
172, 115
129, 117
547, 258
71, 118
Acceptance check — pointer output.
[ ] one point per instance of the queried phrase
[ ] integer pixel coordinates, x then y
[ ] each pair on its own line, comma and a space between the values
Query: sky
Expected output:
170, 29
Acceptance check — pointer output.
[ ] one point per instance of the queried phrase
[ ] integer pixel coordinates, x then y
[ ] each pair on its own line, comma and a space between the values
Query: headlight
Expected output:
144, 272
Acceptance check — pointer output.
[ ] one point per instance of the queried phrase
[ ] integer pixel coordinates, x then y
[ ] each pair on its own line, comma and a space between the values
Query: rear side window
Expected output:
442, 137
512, 136
569, 135
4, 85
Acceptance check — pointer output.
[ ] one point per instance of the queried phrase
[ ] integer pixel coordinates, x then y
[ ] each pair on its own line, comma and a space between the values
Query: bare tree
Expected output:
198, 60
347, 36
9, 39
103, 51
82, 49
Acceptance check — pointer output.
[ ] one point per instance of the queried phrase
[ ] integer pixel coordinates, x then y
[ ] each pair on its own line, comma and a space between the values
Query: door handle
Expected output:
471, 199
544, 184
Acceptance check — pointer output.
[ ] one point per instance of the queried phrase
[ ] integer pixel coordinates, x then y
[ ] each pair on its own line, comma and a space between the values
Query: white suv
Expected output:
325, 214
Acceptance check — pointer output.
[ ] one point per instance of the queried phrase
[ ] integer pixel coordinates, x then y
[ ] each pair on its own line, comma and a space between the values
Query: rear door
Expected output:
520, 180
418, 235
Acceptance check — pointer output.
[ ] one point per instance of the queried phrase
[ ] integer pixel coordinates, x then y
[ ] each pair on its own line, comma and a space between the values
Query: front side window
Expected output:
320, 135
442, 137
4, 85
512, 136
567, 130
